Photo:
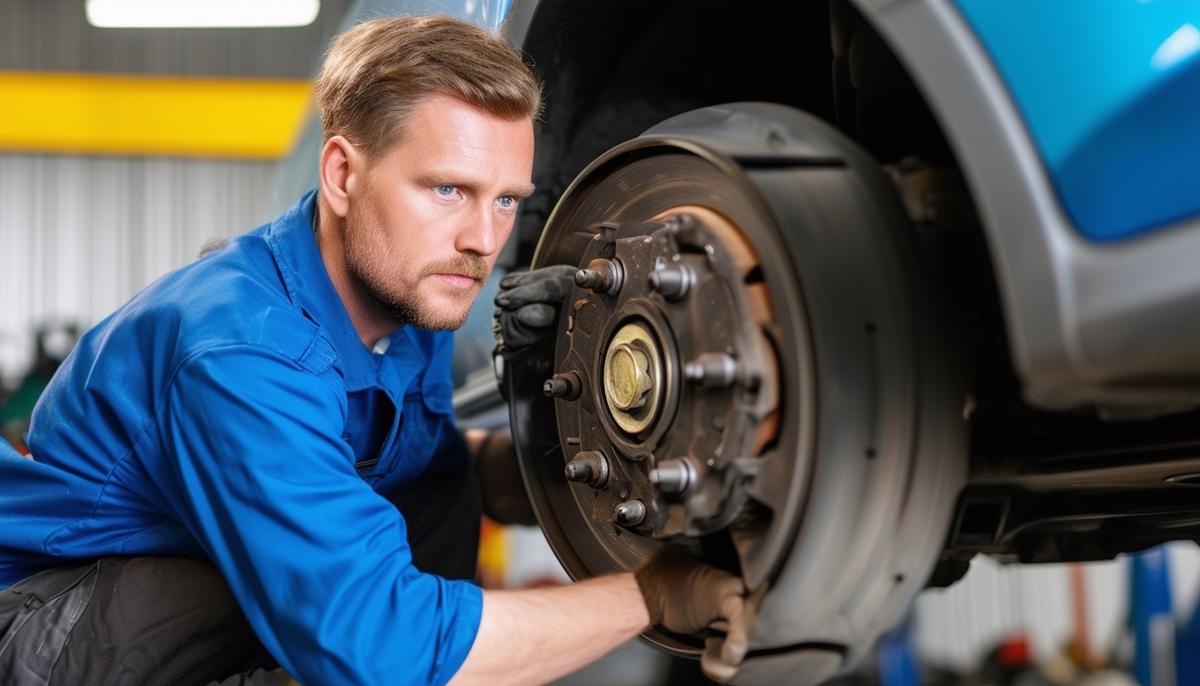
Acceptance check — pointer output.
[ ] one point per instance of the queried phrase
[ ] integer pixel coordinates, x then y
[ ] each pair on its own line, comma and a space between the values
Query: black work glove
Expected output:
686, 595
527, 306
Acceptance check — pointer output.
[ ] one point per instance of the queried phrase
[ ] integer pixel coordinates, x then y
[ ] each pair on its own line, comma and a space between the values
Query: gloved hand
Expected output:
527, 305
685, 595
500, 484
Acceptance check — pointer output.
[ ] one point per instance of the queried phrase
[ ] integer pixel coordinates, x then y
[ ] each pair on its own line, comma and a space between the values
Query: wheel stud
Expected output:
672, 476
711, 370
588, 466
673, 281
566, 386
630, 513
578, 470
601, 276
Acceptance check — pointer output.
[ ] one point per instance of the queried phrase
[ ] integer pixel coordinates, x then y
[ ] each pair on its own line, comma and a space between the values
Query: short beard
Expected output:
404, 305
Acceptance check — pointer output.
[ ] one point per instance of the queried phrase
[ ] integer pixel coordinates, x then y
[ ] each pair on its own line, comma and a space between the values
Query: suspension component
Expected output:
711, 370
673, 476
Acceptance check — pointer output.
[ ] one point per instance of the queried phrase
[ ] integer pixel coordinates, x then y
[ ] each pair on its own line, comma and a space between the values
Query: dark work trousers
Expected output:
165, 620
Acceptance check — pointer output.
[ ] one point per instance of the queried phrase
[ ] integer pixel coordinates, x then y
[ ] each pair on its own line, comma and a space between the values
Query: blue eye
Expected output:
445, 190
507, 202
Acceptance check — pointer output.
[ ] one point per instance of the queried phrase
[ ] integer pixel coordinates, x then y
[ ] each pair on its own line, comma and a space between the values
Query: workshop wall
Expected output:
79, 235
957, 626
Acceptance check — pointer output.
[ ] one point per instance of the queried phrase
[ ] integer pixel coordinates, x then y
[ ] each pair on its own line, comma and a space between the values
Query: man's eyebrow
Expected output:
435, 179
523, 191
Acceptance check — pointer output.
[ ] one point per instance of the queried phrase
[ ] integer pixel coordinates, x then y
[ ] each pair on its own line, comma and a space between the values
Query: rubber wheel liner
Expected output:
861, 477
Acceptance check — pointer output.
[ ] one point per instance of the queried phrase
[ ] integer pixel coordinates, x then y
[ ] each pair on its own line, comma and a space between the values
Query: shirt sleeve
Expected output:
319, 562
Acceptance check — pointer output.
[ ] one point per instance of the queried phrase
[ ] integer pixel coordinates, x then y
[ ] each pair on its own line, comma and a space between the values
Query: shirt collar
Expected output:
294, 246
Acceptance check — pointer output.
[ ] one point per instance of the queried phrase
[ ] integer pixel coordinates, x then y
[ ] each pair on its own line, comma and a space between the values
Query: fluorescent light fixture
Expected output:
145, 14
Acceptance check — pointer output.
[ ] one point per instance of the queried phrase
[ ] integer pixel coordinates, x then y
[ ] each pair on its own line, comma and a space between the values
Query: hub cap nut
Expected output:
627, 378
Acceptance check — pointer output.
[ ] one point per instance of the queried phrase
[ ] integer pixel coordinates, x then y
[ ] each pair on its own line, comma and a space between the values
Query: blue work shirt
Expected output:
230, 410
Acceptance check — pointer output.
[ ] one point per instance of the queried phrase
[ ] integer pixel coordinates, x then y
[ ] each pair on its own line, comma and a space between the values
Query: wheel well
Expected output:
612, 70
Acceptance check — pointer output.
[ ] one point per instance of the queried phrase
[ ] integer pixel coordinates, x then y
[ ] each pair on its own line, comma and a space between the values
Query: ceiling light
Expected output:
200, 13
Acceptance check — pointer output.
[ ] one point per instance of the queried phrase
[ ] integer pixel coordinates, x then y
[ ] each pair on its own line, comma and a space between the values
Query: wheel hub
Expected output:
682, 381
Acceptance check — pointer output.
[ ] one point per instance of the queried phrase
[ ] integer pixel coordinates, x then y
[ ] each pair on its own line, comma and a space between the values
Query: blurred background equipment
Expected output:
52, 344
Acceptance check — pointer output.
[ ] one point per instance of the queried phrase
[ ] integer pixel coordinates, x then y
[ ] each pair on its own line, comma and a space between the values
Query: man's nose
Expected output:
478, 233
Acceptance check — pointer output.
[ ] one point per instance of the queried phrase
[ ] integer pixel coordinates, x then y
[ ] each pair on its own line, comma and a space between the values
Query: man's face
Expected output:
425, 227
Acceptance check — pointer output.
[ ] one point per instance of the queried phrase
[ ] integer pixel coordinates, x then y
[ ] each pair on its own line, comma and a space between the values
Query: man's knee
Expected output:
131, 620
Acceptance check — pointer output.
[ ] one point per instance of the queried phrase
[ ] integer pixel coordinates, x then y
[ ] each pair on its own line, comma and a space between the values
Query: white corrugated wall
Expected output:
79, 235
957, 626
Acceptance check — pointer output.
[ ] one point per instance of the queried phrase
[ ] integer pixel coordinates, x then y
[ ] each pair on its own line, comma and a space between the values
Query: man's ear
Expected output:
340, 174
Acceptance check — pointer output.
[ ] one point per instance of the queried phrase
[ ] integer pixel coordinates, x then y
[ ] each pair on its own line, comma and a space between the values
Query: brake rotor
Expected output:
731, 259
656, 413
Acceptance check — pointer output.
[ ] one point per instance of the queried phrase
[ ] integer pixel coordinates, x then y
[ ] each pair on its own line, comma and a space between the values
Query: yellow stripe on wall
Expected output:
150, 115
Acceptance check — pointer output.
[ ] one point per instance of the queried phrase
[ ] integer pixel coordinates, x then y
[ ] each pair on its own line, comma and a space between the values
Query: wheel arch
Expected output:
598, 62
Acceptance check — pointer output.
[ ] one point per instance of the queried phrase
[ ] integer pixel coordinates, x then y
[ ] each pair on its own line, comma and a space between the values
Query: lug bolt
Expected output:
578, 470
566, 386
672, 476
601, 276
588, 466
673, 281
711, 370
590, 279
630, 513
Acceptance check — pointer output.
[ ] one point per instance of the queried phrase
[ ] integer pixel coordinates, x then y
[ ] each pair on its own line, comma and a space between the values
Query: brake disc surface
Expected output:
655, 414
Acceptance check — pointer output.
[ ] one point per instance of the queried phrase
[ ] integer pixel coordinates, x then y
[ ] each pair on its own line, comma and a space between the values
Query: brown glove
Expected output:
504, 498
685, 595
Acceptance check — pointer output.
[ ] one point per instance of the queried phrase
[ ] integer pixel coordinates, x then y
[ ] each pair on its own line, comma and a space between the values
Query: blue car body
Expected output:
1110, 93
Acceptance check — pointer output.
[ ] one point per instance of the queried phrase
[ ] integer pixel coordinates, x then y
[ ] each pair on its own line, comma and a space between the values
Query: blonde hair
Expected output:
376, 73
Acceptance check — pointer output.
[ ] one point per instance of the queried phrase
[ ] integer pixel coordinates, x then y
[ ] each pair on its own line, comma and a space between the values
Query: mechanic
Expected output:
258, 451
